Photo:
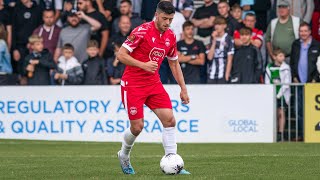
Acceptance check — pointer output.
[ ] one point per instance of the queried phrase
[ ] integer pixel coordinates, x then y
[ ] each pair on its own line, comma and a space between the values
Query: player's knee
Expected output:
136, 129
171, 122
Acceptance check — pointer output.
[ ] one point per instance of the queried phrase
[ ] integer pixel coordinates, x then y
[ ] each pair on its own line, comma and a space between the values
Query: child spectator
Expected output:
220, 54
246, 4
236, 13
93, 67
69, 69
38, 63
5, 61
279, 72
247, 61
115, 67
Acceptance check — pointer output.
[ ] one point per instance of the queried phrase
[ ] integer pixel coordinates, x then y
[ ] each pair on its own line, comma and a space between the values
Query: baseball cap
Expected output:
72, 12
284, 3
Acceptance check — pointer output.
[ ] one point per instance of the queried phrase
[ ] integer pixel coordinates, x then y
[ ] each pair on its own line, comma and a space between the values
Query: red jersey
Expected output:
256, 34
146, 43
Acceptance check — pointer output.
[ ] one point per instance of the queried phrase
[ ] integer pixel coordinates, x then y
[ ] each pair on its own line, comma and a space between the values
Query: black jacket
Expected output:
94, 72
313, 53
247, 65
41, 74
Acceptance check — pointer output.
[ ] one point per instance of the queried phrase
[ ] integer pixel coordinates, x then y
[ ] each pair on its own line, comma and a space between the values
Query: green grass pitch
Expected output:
94, 160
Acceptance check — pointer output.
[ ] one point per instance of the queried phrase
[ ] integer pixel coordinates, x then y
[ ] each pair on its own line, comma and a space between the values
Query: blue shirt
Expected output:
303, 62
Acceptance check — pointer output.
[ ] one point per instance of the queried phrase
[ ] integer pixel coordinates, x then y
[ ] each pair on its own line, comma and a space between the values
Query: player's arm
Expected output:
178, 76
123, 56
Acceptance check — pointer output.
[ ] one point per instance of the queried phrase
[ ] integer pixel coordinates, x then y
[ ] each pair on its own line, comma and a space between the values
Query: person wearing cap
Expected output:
301, 8
282, 31
77, 34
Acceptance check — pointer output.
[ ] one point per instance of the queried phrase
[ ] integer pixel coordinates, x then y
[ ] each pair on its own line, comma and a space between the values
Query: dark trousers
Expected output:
166, 76
216, 81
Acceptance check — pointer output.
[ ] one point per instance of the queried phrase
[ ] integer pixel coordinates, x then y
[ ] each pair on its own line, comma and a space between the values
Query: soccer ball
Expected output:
171, 164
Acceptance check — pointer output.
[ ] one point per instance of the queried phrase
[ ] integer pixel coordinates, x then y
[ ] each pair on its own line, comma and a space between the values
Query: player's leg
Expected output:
160, 103
168, 135
133, 103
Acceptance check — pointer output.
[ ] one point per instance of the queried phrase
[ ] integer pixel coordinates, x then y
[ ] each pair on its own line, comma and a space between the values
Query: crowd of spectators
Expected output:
74, 42
220, 42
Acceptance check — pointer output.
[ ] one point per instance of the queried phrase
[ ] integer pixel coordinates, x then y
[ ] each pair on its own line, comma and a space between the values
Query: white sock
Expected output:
127, 143
169, 140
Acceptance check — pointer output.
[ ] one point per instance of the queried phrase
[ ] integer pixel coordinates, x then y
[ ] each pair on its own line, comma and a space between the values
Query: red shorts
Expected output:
154, 97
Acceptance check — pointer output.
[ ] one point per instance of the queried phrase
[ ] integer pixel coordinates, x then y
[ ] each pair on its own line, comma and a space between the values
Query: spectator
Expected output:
48, 31
38, 63
26, 18
69, 70
102, 35
187, 9
126, 9
203, 19
111, 11
316, 21
191, 55
148, 7
236, 13
77, 34
260, 8
93, 67
5, 19
55, 5
247, 60
121, 36
282, 31
69, 6
5, 61
304, 54
301, 8
232, 24
245, 4
115, 67
220, 54
257, 35
279, 72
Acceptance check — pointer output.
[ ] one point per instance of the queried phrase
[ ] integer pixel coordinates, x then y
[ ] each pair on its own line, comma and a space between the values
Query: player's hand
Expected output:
150, 66
184, 97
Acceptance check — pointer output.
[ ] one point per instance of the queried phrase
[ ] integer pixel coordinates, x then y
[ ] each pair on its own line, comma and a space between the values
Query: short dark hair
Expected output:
251, 15
278, 51
166, 7
245, 31
68, 46
126, 1
220, 20
223, 1
93, 43
187, 24
49, 10
305, 24
236, 6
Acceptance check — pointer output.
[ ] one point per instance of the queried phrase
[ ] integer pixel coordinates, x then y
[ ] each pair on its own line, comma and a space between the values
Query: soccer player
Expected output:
143, 53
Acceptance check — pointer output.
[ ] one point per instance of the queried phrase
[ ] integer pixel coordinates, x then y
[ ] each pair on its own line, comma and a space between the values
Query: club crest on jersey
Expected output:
156, 54
133, 110
167, 43
131, 38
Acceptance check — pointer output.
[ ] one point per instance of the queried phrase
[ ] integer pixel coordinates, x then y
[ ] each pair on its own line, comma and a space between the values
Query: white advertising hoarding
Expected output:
224, 113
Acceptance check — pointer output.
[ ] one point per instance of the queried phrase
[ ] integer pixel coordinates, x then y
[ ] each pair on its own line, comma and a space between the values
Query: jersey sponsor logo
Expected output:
156, 54
131, 38
133, 110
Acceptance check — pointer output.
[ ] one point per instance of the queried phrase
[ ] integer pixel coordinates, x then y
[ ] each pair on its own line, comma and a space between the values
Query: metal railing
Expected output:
293, 113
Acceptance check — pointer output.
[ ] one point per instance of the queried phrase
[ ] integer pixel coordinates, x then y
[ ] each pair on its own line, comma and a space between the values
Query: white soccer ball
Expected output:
171, 164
